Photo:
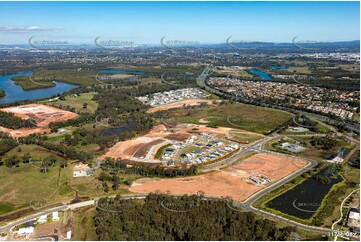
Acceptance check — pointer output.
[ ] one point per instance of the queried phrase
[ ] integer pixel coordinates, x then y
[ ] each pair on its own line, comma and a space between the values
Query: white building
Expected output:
43, 219
56, 216
26, 231
82, 170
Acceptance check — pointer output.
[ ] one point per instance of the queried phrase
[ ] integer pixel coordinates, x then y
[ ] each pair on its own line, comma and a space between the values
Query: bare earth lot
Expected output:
42, 114
181, 104
232, 182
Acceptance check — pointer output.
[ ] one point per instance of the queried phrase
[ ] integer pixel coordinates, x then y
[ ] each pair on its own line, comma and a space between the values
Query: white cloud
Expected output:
26, 29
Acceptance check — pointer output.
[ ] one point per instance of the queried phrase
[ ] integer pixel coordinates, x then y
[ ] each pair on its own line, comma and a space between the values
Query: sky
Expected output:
202, 22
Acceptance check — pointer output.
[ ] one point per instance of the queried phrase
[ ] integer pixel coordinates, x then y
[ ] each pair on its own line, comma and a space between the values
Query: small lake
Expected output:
279, 68
116, 130
16, 93
303, 200
341, 151
261, 74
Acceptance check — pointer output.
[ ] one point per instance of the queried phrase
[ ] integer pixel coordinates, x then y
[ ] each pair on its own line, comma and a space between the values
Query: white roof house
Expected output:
26, 231
42, 219
68, 234
82, 170
56, 216
354, 215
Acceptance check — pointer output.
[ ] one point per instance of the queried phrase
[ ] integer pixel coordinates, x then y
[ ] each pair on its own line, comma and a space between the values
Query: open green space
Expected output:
233, 115
161, 150
244, 137
24, 184
314, 152
84, 224
80, 103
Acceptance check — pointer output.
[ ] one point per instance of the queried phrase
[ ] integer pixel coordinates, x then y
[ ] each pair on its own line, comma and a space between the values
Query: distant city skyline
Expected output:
200, 22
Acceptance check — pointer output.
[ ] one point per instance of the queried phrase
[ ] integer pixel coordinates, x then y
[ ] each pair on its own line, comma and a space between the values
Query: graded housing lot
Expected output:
231, 182
144, 148
184, 103
42, 114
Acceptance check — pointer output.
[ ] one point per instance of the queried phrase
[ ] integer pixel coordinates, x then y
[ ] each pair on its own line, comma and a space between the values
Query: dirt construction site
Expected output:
144, 148
41, 114
236, 181
183, 104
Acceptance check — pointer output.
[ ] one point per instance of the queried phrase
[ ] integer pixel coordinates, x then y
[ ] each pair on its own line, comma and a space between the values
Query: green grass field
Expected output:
76, 102
233, 115
244, 138
160, 151
84, 229
25, 185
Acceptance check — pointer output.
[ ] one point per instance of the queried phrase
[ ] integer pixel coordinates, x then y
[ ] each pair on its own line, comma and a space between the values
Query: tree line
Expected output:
163, 217
10, 121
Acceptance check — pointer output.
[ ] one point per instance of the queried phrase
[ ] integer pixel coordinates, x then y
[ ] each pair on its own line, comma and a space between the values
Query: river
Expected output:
16, 93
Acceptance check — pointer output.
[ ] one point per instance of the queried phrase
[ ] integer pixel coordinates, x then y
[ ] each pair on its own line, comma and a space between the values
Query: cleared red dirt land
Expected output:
231, 182
184, 103
42, 114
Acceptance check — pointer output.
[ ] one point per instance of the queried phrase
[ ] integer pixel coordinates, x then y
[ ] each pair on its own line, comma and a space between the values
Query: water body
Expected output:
116, 130
122, 72
261, 74
303, 200
279, 68
342, 151
16, 93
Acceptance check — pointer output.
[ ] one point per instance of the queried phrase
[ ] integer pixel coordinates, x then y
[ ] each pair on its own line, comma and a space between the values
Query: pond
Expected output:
278, 68
261, 74
16, 93
116, 130
303, 200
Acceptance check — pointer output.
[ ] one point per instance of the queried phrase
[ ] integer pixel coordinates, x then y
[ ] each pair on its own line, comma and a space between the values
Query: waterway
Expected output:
16, 93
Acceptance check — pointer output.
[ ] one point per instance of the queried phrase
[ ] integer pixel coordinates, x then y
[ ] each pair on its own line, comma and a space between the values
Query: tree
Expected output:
85, 105
26, 158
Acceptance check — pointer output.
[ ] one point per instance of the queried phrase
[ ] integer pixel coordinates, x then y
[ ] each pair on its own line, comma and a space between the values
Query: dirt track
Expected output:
232, 182
42, 114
